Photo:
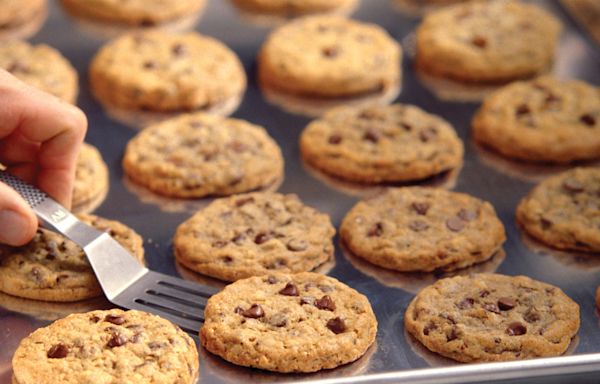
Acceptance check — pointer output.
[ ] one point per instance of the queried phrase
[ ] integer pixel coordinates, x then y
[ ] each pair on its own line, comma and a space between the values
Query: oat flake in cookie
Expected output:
52, 268
422, 229
198, 155
487, 41
563, 211
491, 317
381, 144
254, 234
159, 71
544, 120
301, 322
328, 56
102, 347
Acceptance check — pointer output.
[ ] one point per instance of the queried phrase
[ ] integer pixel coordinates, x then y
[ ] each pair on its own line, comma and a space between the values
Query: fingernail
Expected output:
12, 227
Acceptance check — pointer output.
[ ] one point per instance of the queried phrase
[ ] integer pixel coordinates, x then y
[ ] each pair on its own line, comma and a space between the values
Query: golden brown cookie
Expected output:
21, 18
295, 7
91, 180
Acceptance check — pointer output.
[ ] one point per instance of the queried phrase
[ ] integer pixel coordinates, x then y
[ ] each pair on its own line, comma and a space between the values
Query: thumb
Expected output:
17, 222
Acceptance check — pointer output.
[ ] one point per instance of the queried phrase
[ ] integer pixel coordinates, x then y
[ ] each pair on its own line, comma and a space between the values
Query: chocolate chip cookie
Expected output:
111, 346
487, 41
422, 229
23, 16
543, 120
197, 155
53, 268
295, 7
254, 234
381, 144
158, 71
490, 317
91, 180
302, 322
144, 13
40, 66
563, 211
331, 57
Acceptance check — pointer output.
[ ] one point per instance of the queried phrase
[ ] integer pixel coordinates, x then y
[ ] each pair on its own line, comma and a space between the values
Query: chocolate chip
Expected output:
490, 307
289, 290
466, 303
155, 345
546, 224
427, 134
453, 335
239, 238
116, 340
376, 230
407, 127
484, 293
588, 120
95, 319
254, 312
296, 245
418, 225
150, 65
531, 316
479, 41
219, 244
325, 288
336, 325
467, 214
330, 52
368, 114
522, 109
227, 259
334, 139
421, 208
179, 49
271, 280
147, 23
115, 319
57, 351
307, 300
238, 310
516, 329
455, 224
263, 238
238, 147
506, 303
278, 320
325, 303
573, 185
371, 136
243, 201
552, 99
428, 328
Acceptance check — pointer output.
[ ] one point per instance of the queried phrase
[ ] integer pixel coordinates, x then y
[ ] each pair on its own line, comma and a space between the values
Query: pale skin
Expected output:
40, 138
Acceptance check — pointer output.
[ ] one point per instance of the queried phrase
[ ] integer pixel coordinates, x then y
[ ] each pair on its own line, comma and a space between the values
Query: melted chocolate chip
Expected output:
453, 335
336, 325
479, 41
289, 290
150, 65
467, 214
455, 224
179, 49
271, 280
531, 316
573, 185
376, 230
427, 134
418, 225
490, 307
263, 238
466, 303
254, 312
330, 52
116, 340
325, 303
117, 320
428, 328
421, 208
334, 139
588, 119
243, 201
516, 329
325, 288
238, 310
371, 136
506, 303
545, 223
484, 293
239, 238
57, 351
238, 146
522, 110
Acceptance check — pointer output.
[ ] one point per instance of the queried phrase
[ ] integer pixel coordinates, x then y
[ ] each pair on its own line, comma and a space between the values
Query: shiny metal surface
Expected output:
395, 357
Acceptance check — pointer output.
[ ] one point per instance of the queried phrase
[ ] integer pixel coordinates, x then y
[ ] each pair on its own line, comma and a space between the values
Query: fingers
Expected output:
57, 127
17, 222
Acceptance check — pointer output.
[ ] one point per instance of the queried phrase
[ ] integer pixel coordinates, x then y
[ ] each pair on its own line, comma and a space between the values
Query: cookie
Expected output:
197, 155
563, 211
381, 144
111, 346
19, 14
144, 13
52, 268
543, 120
490, 317
598, 297
295, 7
422, 229
301, 322
40, 66
328, 56
91, 180
157, 71
254, 234
487, 41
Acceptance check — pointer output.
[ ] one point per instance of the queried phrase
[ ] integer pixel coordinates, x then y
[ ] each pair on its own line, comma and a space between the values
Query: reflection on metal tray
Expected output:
394, 357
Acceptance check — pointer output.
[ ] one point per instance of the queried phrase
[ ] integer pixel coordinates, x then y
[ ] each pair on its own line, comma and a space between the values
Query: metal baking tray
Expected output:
395, 356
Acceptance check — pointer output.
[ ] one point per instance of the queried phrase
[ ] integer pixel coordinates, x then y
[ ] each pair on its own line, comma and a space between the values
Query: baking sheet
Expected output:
483, 174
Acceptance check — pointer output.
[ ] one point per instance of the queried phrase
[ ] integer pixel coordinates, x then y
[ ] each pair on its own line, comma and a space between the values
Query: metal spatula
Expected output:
124, 281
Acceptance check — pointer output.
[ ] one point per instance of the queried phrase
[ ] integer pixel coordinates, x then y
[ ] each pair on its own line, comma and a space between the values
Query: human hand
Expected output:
40, 137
